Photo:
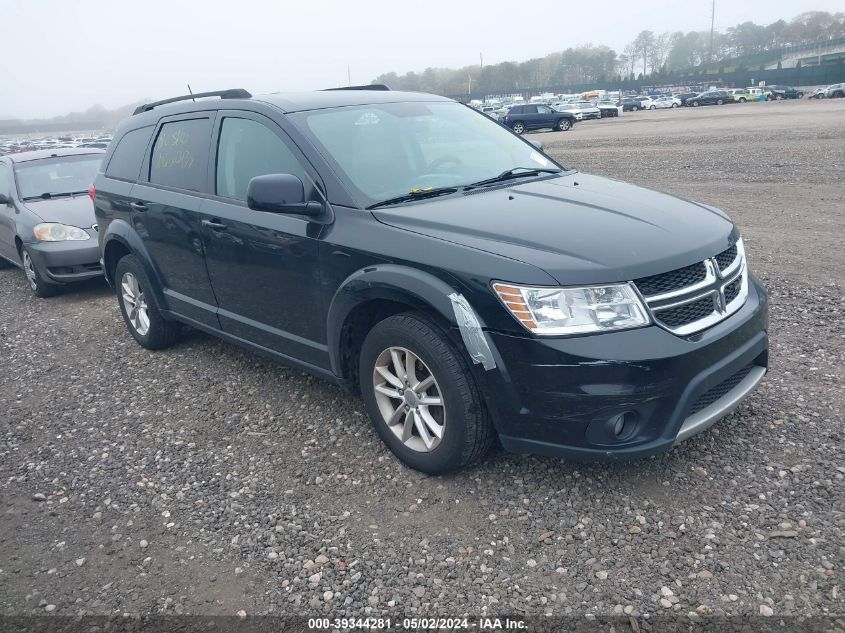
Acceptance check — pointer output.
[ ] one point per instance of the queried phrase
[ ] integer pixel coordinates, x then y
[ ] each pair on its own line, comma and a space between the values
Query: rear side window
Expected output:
125, 163
180, 155
247, 149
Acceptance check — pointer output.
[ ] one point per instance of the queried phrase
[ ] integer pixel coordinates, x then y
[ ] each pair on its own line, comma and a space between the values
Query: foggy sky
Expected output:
66, 55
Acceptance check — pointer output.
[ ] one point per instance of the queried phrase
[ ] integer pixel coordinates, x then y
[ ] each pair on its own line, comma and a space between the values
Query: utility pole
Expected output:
481, 60
349, 76
469, 84
712, 23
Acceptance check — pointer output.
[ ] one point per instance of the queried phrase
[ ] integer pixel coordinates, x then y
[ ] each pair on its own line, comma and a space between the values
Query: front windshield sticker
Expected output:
538, 158
368, 118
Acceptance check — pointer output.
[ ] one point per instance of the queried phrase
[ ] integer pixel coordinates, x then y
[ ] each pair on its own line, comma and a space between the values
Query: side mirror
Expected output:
537, 144
4, 199
280, 193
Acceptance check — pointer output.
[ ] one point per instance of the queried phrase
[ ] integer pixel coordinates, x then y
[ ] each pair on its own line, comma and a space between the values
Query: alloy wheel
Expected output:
135, 303
409, 399
29, 269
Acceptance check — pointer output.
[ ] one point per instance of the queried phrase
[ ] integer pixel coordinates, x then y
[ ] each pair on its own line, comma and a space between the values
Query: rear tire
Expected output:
466, 429
742, 99
719, 102
518, 128
139, 309
40, 287
634, 108
695, 104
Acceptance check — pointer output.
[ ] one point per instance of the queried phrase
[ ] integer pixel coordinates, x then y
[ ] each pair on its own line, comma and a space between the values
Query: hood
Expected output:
75, 211
579, 228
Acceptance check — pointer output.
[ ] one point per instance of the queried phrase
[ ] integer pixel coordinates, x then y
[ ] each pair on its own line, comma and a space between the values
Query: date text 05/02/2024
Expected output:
416, 624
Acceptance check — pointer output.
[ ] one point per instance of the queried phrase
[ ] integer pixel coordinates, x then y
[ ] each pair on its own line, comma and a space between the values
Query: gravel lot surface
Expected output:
205, 479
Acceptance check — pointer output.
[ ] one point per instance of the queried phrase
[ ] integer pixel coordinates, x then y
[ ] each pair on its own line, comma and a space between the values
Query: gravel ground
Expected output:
205, 479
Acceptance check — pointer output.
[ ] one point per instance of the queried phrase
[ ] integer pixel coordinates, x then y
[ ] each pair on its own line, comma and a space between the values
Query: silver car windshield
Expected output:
386, 150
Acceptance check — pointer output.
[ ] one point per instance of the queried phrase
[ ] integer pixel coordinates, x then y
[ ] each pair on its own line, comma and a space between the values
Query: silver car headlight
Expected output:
556, 311
55, 232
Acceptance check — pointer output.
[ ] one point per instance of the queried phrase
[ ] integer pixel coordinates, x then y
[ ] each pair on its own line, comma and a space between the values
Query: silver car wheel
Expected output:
29, 269
135, 303
409, 399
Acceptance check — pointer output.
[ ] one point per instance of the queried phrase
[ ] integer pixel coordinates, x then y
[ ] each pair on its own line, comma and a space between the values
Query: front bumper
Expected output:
624, 394
67, 262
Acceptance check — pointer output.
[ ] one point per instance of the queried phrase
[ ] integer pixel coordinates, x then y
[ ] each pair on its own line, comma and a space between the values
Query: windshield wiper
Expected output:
48, 195
516, 172
417, 194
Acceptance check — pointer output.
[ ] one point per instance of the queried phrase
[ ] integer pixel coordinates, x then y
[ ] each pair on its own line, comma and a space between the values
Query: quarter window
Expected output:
180, 154
247, 149
125, 162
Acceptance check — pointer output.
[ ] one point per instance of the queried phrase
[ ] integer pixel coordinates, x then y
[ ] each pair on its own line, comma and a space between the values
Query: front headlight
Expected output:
555, 311
55, 232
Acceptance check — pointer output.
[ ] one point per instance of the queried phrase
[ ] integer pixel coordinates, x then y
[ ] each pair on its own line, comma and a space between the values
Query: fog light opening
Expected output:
623, 425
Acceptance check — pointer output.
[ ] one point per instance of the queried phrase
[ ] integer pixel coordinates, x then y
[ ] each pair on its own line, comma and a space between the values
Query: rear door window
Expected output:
125, 162
180, 155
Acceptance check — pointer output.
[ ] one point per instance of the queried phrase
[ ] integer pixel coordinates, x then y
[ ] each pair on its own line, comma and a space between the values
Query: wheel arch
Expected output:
371, 295
120, 240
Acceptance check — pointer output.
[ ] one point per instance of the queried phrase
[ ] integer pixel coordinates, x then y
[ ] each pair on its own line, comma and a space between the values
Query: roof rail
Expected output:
367, 87
234, 93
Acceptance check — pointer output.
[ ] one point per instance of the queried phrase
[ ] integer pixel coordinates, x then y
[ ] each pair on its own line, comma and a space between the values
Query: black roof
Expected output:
22, 157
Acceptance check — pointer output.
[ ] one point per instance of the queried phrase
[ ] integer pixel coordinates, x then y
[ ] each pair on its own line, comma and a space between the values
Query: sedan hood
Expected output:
75, 211
581, 229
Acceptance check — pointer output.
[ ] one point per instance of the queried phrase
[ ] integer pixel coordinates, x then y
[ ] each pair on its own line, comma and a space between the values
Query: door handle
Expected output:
138, 206
214, 225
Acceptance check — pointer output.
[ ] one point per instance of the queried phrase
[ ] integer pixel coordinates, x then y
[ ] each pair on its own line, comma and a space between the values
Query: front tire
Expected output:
137, 305
40, 287
563, 125
420, 395
742, 99
634, 108
518, 128
719, 102
695, 104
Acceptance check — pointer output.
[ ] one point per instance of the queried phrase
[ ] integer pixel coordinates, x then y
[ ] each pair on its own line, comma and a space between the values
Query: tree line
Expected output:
649, 54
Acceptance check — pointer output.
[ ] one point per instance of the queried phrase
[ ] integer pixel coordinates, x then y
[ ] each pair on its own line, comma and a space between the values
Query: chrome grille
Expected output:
674, 279
695, 297
687, 312
726, 258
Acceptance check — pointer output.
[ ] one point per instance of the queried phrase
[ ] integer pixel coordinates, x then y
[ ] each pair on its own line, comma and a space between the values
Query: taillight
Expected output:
92, 192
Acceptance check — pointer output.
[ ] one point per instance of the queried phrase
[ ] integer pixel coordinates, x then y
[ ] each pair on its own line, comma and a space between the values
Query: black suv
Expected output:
537, 116
779, 93
711, 97
409, 247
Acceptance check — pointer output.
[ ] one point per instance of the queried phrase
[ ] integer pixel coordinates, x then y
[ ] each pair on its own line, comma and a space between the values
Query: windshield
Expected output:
387, 150
56, 176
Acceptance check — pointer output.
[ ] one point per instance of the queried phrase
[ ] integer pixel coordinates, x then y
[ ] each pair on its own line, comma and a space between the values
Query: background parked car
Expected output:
785, 92
586, 109
629, 104
836, 91
665, 101
609, 108
47, 218
522, 118
568, 106
740, 95
686, 96
710, 97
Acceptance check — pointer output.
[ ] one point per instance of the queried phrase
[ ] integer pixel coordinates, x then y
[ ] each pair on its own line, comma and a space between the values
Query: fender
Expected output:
122, 232
385, 281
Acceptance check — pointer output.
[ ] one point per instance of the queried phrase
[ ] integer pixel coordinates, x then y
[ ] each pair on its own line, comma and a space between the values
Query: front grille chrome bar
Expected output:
713, 286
